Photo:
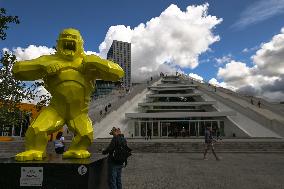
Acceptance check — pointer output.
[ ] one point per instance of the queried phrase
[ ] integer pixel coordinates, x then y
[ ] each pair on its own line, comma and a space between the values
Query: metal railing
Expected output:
136, 89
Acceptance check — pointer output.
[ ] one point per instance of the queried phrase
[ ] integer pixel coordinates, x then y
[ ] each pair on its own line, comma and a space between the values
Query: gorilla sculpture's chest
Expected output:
68, 85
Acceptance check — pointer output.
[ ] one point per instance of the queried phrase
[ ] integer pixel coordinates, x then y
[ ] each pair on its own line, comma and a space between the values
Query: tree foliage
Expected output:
4, 21
14, 92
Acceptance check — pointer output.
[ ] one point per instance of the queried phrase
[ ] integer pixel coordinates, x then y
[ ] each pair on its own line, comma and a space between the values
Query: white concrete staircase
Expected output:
117, 118
256, 122
243, 122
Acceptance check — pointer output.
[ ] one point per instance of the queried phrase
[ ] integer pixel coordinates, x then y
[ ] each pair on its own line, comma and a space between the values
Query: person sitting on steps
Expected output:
59, 143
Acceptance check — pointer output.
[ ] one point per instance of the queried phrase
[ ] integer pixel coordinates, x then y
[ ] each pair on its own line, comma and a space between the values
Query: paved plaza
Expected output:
190, 171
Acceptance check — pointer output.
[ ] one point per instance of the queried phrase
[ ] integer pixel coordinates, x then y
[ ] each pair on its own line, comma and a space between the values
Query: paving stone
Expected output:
190, 171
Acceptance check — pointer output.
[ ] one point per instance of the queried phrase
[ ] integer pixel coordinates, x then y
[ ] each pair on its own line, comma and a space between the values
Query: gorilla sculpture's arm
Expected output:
103, 69
31, 69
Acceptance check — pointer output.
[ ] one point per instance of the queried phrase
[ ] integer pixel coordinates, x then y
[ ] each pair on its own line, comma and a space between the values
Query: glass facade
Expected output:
176, 128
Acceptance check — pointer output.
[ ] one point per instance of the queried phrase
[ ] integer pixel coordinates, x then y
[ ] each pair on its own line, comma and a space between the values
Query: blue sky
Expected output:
245, 25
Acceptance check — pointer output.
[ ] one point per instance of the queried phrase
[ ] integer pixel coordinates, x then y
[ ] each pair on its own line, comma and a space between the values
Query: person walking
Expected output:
176, 132
209, 143
143, 133
258, 103
183, 132
251, 101
59, 143
115, 166
149, 134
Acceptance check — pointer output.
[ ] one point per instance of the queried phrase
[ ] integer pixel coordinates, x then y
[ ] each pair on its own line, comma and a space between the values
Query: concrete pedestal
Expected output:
55, 172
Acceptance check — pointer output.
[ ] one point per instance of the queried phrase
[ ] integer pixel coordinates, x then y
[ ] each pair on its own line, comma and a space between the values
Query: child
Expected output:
59, 143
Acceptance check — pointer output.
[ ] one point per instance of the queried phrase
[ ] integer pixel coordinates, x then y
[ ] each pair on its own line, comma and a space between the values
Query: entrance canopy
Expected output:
171, 86
173, 95
173, 89
179, 104
179, 114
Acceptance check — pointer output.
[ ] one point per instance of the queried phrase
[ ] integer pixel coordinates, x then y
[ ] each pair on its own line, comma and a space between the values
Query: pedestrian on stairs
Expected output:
258, 103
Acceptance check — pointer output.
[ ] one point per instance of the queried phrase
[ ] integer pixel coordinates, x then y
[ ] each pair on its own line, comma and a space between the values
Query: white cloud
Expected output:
195, 76
175, 36
270, 57
224, 59
259, 11
238, 76
31, 52
91, 52
214, 81
247, 50
233, 70
266, 77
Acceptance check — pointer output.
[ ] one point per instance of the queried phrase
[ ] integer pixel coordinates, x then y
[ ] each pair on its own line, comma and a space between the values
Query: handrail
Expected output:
118, 103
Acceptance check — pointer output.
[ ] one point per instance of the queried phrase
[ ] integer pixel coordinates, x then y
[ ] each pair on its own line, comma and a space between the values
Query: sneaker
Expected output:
218, 158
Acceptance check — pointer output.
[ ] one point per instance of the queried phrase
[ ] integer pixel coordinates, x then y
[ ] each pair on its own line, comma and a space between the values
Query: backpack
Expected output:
121, 152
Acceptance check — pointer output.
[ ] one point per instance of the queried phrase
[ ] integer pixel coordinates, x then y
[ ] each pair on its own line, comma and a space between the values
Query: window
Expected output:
155, 129
136, 131
149, 128
143, 128
201, 128
222, 128
164, 129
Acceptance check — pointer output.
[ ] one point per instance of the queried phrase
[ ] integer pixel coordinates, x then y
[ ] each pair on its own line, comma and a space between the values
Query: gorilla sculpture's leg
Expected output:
36, 139
83, 130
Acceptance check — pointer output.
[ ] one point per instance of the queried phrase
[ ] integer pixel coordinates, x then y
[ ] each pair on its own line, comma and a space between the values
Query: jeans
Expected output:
59, 150
115, 176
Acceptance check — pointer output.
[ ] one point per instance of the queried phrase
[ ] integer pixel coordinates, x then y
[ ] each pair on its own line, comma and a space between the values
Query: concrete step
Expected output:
165, 147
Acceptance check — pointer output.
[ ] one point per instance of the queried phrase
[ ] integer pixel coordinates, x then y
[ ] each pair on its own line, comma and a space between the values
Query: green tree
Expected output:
12, 91
4, 21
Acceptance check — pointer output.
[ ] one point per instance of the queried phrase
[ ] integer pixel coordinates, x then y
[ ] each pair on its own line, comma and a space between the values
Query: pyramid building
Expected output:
178, 106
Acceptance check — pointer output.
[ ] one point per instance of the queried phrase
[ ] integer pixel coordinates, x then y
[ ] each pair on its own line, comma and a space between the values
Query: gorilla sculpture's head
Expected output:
70, 44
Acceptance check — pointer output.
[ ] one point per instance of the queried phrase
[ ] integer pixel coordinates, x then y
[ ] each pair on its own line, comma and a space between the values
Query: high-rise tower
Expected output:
120, 53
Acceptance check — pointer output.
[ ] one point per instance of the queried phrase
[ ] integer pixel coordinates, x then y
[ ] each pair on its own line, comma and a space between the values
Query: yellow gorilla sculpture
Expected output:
68, 75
